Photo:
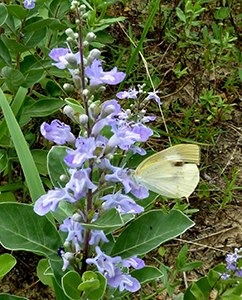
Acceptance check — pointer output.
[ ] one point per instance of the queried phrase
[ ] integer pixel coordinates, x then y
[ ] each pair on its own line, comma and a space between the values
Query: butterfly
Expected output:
172, 173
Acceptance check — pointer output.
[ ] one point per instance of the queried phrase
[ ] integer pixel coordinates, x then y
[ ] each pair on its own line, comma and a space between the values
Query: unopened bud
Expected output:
77, 218
86, 92
64, 178
94, 110
85, 44
109, 156
69, 88
83, 119
76, 35
67, 110
74, 4
82, 7
94, 53
90, 36
101, 89
71, 59
70, 33
108, 110
69, 39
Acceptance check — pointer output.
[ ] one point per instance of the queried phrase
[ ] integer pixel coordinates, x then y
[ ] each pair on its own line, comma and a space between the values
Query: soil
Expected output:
217, 229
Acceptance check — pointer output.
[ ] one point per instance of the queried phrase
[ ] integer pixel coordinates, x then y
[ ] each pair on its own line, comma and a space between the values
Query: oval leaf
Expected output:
149, 231
22, 229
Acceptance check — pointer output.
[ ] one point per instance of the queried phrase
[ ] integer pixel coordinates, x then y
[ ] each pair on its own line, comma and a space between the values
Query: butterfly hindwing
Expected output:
172, 172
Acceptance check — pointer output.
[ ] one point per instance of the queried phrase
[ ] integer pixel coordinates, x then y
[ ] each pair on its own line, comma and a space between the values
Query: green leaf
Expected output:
29, 168
43, 270
34, 38
222, 13
45, 107
12, 44
75, 105
33, 76
191, 266
7, 262
22, 229
149, 231
180, 14
3, 14
70, 282
7, 197
14, 79
94, 285
40, 159
5, 56
3, 160
56, 165
17, 11
11, 297
37, 25
110, 219
146, 274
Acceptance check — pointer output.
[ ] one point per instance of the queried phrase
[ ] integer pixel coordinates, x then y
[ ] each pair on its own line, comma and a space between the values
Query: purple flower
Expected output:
123, 203
224, 276
104, 263
58, 54
231, 267
153, 95
124, 137
80, 182
97, 236
29, 4
128, 181
135, 262
123, 281
238, 273
143, 132
74, 230
85, 149
232, 258
51, 200
58, 132
131, 94
98, 76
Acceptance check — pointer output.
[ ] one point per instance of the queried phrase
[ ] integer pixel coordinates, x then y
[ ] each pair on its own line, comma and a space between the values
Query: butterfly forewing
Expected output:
171, 172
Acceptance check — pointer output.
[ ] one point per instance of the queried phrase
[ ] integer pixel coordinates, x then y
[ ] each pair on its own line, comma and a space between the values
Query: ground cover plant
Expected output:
82, 108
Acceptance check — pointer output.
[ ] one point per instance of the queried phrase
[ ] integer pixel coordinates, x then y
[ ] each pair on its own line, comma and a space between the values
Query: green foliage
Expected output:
7, 262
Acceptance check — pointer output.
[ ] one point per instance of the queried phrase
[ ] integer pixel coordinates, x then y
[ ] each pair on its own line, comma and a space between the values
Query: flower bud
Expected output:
94, 53
94, 110
67, 110
64, 178
109, 156
77, 218
69, 39
69, 88
82, 7
70, 33
86, 92
74, 3
101, 89
90, 36
108, 110
85, 44
83, 119
76, 35
71, 59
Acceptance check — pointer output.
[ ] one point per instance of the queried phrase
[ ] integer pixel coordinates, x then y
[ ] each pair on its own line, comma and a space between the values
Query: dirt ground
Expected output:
217, 230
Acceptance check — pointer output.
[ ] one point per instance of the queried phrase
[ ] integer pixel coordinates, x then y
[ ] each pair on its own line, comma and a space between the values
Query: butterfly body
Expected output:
172, 172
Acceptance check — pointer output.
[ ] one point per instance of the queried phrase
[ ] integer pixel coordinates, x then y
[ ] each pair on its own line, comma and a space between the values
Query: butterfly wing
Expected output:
172, 172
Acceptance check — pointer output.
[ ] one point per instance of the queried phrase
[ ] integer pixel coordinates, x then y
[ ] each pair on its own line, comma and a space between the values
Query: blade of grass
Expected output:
140, 44
15, 106
31, 174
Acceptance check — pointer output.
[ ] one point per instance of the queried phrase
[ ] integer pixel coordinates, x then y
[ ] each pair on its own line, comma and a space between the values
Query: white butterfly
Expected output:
172, 172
